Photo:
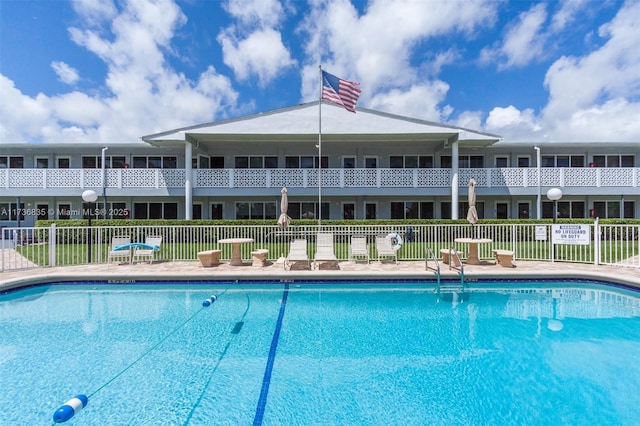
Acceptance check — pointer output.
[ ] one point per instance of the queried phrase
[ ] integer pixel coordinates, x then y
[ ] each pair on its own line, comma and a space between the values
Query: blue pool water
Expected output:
309, 353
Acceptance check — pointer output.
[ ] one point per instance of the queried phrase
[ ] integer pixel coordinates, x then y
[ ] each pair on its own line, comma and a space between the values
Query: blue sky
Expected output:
112, 71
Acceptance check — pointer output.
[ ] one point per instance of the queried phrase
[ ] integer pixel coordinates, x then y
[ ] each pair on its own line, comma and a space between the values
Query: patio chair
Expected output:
324, 249
384, 248
297, 254
148, 250
358, 248
120, 249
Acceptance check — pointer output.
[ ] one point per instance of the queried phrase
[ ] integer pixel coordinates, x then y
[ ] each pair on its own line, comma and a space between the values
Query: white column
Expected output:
454, 179
188, 199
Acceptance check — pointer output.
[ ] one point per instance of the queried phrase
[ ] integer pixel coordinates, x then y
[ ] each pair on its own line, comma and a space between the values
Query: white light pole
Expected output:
104, 182
554, 194
539, 199
89, 196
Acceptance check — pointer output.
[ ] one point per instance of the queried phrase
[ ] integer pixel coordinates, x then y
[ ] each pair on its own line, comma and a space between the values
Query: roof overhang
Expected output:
306, 122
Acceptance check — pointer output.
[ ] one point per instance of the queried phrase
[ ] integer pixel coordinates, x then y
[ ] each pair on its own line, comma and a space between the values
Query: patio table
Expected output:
473, 258
236, 256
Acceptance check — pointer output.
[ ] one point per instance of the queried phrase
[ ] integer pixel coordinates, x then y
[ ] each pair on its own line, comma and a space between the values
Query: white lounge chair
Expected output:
149, 250
385, 248
358, 248
120, 249
297, 253
324, 249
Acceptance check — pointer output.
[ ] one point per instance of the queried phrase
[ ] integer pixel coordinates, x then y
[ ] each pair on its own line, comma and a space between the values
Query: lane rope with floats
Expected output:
70, 408
234, 332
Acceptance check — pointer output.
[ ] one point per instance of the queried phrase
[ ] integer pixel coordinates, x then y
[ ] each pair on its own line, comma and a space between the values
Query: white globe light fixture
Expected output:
89, 196
554, 194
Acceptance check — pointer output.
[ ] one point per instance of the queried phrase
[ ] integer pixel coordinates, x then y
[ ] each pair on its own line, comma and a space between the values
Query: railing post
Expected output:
52, 245
596, 241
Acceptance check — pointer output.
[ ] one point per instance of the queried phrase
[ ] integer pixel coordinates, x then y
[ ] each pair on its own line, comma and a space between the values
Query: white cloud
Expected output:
262, 54
376, 48
523, 42
142, 93
424, 98
65, 73
254, 46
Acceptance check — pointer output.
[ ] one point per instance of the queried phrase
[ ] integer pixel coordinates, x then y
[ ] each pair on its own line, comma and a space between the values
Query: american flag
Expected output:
339, 91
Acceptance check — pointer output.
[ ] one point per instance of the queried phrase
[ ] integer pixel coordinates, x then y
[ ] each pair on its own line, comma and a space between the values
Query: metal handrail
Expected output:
426, 265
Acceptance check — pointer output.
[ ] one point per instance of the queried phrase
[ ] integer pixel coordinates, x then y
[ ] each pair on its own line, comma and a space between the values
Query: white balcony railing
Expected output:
512, 177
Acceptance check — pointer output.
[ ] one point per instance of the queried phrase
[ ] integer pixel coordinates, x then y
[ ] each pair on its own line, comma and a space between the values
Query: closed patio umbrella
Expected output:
472, 214
284, 219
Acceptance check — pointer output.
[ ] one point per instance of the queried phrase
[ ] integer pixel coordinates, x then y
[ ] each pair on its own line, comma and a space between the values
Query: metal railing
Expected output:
521, 177
33, 247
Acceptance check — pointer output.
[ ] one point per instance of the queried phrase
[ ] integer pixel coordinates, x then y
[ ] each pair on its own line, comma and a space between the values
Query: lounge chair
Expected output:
120, 249
297, 253
324, 249
358, 248
148, 250
385, 248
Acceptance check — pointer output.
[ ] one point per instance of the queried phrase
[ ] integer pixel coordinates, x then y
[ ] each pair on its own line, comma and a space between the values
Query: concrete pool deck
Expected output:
344, 270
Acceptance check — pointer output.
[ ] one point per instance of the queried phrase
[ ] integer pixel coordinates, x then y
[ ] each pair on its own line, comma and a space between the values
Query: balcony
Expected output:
74, 179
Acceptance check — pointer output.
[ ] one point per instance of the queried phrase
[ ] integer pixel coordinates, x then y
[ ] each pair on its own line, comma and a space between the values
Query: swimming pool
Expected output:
316, 353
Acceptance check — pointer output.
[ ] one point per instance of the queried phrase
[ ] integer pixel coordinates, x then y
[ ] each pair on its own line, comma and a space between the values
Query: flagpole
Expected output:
320, 150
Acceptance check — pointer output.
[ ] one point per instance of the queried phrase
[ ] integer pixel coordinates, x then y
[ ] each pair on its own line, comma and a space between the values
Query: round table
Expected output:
236, 257
472, 258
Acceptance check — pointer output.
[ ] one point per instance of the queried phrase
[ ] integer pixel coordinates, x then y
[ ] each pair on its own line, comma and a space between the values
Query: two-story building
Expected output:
370, 164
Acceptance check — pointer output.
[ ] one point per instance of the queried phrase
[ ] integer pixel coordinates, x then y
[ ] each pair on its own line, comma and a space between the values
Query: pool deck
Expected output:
344, 270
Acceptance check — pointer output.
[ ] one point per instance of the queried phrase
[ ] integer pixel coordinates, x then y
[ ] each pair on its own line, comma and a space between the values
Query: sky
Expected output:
111, 71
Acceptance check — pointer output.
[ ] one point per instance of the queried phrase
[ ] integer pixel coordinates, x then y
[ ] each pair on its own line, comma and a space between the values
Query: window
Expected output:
155, 162
371, 211
216, 211
371, 162
112, 210
63, 162
562, 161
307, 210
348, 162
410, 161
42, 163
445, 210
613, 160
256, 162
412, 210
196, 211
305, 162
9, 211
43, 211
524, 161
611, 209
566, 209
502, 211
348, 211
64, 211
502, 162
464, 161
155, 210
11, 162
95, 162
216, 162
255, 210
524, 211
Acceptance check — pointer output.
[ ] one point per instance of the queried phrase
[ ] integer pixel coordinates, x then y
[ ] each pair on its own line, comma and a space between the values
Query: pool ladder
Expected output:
449, 287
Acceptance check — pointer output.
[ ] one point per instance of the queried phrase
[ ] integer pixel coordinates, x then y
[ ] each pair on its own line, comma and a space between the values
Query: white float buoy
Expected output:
70, 408
209, 301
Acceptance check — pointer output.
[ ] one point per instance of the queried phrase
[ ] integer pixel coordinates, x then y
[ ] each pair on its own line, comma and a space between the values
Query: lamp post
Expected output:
554, 194
539, 198
89, 196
